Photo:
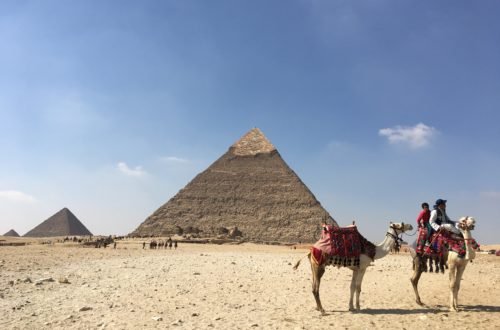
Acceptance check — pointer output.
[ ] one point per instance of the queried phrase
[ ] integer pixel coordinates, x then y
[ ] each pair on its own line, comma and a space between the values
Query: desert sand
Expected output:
202, 286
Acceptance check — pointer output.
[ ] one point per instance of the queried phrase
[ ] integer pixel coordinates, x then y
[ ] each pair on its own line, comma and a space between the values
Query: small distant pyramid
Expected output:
63, 223
250, 188
11, 233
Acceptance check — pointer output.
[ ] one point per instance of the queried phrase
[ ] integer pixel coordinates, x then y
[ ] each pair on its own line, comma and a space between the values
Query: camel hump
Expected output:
343, 246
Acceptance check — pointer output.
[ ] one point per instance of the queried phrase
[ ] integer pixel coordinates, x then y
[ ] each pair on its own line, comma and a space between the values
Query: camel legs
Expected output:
456, 272
417, 272
423, 262
442, 262
317, 273
357, 279
453, 281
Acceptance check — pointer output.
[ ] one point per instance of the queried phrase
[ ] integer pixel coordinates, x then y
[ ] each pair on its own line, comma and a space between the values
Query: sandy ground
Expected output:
226, 287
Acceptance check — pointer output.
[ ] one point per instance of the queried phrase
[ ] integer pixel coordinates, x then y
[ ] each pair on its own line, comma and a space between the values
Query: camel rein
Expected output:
395, 236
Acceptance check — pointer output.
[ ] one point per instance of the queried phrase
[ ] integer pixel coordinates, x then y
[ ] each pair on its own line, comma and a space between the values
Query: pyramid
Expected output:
249, 187
63, 223
11, 233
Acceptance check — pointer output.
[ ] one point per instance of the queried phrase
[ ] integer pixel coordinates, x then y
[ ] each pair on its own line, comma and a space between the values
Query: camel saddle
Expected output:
341, 246
440, 242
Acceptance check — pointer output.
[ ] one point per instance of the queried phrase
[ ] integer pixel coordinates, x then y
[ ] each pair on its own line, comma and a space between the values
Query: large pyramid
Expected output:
249, 187
11, 233
63, 223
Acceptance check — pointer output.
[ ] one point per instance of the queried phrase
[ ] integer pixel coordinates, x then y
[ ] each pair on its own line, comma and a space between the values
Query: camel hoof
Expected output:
321, 310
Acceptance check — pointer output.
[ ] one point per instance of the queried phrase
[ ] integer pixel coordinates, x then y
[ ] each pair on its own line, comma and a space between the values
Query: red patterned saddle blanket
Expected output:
440, 242
341, 246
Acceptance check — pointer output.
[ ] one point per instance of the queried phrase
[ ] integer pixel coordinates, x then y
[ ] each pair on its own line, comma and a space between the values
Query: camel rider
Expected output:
440, 220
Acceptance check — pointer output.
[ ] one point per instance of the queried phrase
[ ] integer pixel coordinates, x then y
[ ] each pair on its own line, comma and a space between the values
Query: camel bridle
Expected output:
464, 225
395, 235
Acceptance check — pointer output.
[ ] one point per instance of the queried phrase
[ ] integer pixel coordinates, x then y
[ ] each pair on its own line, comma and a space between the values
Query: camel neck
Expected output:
470, 253
383, 249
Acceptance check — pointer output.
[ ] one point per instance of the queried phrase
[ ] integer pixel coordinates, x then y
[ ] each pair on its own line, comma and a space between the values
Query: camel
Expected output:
153, 244
456, 264
381, 250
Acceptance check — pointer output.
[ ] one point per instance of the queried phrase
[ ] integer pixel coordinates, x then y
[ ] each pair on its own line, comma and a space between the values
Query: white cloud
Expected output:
416, 137
174, 159
16, 196
137, 171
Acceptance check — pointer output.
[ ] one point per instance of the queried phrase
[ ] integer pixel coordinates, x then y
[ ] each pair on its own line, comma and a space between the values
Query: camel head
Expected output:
400, 228
466, 223
395, 229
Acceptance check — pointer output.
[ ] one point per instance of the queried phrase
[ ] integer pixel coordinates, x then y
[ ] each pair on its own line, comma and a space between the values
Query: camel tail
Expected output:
298, 262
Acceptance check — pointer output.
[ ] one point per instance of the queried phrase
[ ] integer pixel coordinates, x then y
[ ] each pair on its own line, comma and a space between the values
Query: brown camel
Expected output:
456, 263
358, 272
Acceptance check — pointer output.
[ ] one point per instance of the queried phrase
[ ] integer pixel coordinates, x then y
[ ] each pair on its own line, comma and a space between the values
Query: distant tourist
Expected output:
175, 245
143, 245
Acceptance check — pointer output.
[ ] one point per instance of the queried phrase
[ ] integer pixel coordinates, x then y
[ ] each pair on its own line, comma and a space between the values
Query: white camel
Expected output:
456, 264
382, 249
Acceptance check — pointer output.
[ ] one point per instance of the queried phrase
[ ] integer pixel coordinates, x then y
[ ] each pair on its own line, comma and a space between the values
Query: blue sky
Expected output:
110, 107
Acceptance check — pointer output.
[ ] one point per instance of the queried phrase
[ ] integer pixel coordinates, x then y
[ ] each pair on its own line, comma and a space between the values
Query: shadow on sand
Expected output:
479, 308
430, 309
397, 311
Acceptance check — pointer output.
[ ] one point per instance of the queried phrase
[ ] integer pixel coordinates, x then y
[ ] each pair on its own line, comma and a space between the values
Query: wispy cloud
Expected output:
69, 109
16, 196
173, 159
137, 171
418, 136
495, 195
336, 145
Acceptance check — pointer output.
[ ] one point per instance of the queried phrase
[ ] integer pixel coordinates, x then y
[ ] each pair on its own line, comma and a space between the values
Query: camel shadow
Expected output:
480, 308
428, 309
396, 311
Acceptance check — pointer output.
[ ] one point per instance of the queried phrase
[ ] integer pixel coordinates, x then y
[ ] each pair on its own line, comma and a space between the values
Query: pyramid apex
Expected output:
252, 143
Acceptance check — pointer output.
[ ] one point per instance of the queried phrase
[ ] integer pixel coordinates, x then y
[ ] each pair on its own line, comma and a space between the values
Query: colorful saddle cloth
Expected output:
440, 242
341, 246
